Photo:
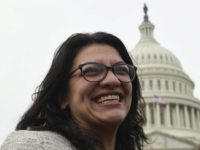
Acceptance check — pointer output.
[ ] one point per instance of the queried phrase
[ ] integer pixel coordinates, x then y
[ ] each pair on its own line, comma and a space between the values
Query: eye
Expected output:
92, 69
121, 69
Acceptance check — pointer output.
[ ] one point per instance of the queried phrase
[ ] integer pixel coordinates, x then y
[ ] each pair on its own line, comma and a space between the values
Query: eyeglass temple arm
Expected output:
73, 71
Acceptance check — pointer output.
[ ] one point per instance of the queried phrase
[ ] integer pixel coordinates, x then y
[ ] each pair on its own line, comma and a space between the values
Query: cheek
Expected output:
128, 89
79, 90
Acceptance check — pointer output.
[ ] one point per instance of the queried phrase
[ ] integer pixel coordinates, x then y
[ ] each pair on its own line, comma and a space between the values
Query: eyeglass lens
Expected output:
96, 72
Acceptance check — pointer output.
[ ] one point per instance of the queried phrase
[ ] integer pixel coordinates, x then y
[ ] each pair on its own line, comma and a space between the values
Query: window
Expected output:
173, 115
182, 118
185, 89
152, 113
142, 84
142, 57
180, 87
190, 117
149, 56
155, 56
196, 117
160, 57
150, 84
162, 115
158, 84
166, 85
174, 86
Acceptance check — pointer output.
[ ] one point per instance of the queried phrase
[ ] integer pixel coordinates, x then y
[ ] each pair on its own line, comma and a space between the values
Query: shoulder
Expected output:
40, 140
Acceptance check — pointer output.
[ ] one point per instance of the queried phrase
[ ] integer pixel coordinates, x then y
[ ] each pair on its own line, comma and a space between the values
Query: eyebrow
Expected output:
119, 62
77, 67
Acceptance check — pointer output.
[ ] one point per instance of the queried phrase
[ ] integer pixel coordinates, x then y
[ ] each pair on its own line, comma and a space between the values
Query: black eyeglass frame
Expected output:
107, 69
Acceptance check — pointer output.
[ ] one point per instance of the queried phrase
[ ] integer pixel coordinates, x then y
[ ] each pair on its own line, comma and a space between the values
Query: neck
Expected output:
107, 134
107, 137
109, 143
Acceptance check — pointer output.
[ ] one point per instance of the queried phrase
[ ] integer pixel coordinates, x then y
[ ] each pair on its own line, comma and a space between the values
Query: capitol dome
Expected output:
149, 52
172, 112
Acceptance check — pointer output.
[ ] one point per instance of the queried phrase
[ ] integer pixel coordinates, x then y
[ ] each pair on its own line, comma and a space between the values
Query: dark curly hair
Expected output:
45, 112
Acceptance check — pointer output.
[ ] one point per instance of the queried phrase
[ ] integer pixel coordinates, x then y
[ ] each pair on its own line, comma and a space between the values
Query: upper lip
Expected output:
105, 93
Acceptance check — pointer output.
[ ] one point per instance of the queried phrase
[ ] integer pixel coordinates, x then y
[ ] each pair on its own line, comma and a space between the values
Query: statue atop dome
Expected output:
146, 18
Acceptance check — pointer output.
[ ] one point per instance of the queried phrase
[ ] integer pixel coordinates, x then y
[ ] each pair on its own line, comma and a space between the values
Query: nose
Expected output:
110, 80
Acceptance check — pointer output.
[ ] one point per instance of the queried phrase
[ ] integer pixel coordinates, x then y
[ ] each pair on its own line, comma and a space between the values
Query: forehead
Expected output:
101, 53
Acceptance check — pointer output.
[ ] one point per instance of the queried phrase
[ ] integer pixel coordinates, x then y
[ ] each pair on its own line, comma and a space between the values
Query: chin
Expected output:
116, 119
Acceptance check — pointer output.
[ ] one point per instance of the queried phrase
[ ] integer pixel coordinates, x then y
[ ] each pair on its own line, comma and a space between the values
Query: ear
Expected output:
63, 103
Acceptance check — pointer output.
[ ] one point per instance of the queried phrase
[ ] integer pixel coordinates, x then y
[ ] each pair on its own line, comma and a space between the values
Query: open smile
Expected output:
108, 99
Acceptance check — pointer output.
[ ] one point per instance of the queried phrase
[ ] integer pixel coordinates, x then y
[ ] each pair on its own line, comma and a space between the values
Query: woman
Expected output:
89, 100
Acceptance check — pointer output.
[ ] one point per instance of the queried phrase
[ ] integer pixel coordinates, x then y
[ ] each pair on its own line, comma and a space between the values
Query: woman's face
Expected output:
85, 99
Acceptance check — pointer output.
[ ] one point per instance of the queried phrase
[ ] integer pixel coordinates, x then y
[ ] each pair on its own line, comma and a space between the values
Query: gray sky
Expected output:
31, 30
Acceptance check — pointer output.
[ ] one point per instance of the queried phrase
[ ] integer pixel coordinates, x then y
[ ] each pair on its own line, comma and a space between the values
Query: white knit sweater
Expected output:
36, 140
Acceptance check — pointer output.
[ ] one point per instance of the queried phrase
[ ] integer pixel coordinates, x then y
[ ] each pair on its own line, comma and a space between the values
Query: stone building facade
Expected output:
172, 111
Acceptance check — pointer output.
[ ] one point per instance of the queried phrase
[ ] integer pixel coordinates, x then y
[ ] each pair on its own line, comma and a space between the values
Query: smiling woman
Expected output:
89, 100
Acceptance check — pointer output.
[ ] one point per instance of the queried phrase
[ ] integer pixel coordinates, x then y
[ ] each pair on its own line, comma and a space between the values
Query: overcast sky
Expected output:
31, 30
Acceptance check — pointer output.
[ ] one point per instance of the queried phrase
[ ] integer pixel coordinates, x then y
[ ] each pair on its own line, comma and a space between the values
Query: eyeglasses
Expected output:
96, 72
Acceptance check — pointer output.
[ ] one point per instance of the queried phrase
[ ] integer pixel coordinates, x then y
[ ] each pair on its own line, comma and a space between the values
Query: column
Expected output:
148, 117
193, 118
186, 117
177, 116
168, 120
158, 115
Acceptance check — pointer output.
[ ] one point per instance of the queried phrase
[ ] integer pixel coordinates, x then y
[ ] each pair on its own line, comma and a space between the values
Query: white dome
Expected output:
149, 52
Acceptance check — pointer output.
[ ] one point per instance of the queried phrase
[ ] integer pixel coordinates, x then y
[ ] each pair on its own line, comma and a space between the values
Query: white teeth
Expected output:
108, 98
